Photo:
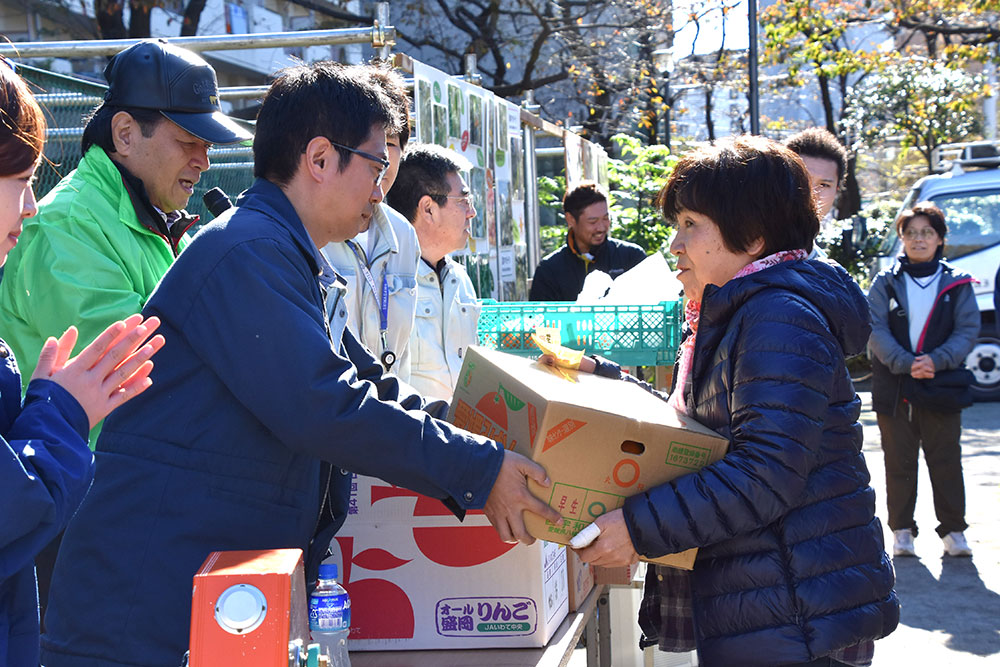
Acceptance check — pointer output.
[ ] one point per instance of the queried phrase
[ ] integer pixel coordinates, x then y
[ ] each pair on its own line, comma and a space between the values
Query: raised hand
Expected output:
510, 497
114, 368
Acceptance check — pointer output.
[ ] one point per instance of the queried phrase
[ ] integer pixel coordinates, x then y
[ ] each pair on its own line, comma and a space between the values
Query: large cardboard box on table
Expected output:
421, 579
599, 440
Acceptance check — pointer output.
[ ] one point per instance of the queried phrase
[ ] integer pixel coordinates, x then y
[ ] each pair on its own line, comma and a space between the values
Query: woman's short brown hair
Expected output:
751, 188
927, 209
22, 124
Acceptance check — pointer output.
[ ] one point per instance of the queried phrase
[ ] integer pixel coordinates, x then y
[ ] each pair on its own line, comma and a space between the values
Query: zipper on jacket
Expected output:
937, 299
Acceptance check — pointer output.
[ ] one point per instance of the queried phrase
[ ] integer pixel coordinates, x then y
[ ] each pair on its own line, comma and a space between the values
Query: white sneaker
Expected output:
955, 545
902, 544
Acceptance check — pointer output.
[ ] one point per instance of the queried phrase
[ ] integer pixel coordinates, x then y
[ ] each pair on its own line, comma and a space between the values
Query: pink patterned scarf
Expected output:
692, 311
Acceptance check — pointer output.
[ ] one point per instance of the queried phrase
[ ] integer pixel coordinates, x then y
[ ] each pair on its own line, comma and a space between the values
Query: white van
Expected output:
967, 189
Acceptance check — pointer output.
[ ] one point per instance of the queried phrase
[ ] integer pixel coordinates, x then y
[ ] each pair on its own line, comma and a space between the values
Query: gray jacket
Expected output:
953, 326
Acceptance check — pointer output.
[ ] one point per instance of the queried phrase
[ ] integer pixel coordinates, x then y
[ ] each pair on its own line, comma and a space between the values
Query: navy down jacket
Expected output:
792, 565
45, 470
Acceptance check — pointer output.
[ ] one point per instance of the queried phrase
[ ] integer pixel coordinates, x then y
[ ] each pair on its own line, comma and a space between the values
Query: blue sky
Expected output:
711, 31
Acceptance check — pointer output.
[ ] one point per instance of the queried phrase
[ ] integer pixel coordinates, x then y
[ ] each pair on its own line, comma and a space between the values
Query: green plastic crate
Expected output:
629, 335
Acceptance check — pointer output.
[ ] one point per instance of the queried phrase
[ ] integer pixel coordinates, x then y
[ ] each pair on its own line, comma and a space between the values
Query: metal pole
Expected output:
381, 39
666, 114
377, 35
752, 64
531, 216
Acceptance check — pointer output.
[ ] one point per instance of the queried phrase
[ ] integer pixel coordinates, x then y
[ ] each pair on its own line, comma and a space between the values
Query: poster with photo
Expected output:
425, 115
477, 185
456, 109
491, 208
505, 214
602, 169
440, 124
502, 121
516, 159
508, 272
592, 162
520, 291
476, 120
470, 120
491, 130
574, 158
517, 166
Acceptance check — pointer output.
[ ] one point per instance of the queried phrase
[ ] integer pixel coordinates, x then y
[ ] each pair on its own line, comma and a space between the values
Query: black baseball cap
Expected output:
155, 74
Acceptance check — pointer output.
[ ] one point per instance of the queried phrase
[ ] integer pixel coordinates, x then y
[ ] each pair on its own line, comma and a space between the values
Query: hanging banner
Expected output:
486, 130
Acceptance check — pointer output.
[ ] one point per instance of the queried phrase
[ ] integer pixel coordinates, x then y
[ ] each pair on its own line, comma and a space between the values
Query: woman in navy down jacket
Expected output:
791, 568
45, 463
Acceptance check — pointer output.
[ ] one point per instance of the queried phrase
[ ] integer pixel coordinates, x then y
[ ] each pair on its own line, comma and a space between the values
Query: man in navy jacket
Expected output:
561, 274
263, 401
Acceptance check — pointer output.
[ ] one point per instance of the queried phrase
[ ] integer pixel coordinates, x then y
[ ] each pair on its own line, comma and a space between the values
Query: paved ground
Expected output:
950, 606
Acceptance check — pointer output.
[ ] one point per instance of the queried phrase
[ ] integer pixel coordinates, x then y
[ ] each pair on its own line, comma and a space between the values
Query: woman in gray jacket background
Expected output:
924, 322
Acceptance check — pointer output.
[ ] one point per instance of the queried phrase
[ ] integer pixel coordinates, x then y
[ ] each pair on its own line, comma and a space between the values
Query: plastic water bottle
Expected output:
330, 616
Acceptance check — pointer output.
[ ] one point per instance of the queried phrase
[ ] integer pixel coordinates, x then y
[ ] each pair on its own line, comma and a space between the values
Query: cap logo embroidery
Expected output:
205, 88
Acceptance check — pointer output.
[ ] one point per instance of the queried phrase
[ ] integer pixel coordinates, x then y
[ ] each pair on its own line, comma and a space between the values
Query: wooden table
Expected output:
592, 618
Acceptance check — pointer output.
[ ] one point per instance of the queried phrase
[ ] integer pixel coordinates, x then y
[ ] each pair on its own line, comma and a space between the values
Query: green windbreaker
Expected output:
84, 260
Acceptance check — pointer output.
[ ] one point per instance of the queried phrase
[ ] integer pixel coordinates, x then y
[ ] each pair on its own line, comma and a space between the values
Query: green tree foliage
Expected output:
856, 243
634, 179
924, 103
837, 44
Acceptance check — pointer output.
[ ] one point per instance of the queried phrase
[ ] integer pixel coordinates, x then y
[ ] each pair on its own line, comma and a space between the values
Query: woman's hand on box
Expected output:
613, 547
510, 497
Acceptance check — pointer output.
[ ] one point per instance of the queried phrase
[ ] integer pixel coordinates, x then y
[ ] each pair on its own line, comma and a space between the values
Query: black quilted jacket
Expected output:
792, 564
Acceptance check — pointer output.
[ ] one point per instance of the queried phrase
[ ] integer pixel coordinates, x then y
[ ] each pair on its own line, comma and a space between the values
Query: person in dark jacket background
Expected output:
45, 463
265, 401
924, 322
560, 275
791, 568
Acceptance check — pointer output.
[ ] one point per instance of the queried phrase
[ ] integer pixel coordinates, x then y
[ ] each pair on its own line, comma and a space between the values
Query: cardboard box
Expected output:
581, 579
421, 579
627, 575
600, 440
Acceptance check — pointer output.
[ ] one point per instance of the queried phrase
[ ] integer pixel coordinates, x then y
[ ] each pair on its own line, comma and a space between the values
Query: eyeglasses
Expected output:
367, 156
465, 199
925, 234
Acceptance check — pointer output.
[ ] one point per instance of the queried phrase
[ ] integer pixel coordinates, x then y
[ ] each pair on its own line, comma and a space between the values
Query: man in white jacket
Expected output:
432, 194
379, 265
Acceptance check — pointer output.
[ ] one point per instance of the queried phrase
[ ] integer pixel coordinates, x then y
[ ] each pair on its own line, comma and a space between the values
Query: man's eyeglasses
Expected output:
367, 156
925, 234
465, 199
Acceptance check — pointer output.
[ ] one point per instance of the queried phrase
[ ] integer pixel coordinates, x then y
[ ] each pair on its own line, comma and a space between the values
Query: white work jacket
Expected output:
395, 255
445, 327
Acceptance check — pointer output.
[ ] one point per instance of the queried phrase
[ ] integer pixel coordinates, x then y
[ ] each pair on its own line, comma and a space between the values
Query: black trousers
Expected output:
938, 434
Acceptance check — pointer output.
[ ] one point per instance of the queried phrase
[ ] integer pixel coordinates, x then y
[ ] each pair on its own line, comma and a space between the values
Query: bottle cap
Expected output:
328, 571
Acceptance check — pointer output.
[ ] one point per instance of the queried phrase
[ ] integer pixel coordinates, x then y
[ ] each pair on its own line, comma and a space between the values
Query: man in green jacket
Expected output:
106, 234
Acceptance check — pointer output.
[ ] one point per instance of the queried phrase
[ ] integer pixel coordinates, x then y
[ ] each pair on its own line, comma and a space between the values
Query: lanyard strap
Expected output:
388, 357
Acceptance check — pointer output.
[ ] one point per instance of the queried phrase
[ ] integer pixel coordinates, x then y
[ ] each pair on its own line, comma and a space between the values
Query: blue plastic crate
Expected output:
629, 335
